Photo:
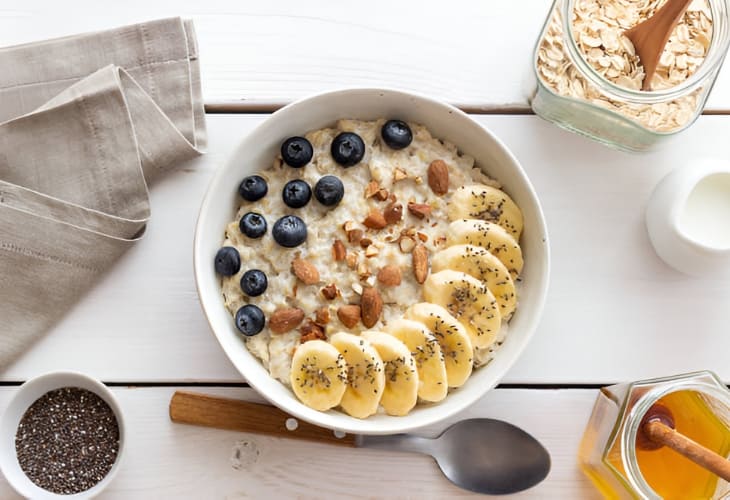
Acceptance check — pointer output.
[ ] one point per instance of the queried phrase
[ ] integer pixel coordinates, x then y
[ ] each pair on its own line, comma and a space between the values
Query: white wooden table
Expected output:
615, 312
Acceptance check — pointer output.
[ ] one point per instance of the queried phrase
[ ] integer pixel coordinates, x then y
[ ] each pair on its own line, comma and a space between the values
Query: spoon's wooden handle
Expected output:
242, 416
704, 457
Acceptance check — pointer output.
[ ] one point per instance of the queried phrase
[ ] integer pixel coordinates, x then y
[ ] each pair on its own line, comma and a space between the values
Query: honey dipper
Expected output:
657, 430
649, 37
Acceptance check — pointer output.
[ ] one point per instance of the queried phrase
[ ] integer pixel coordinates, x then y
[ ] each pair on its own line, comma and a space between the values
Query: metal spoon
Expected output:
649, 37
482, 454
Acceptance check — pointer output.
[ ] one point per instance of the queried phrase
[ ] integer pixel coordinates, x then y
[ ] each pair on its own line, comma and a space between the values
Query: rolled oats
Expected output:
598, 28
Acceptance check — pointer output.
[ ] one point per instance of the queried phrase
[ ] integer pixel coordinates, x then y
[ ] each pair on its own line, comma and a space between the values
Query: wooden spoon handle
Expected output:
704, 457
242, 416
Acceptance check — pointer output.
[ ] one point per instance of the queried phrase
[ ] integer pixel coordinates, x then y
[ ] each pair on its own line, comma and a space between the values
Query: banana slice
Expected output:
490, 236
426, 351
401, 380
365, 376
480, 201
483, 265
318, 375
469, 301
452, 337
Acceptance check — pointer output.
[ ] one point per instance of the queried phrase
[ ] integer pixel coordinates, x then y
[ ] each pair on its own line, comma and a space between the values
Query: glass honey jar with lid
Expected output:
589, 78
620, 465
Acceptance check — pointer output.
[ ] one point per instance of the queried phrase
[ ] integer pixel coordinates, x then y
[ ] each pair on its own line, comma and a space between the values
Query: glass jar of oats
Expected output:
589, 77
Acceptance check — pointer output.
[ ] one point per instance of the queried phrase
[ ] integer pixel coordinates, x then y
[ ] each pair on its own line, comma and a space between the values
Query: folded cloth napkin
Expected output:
86, 123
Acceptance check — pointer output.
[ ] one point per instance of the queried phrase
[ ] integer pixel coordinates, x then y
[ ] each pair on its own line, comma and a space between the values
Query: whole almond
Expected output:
371, 305
338, 251
420, 263
349, 315
393, 213
311, 331
330, 291
438, 177
375, 220
285, 319
305, 271
390, 275
420, 210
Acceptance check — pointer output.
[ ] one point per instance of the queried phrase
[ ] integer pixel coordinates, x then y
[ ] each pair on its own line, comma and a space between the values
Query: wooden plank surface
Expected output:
614, 310
167, 460
261, 54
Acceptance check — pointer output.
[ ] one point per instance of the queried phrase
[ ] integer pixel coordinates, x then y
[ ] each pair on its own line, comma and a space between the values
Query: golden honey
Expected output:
700, 406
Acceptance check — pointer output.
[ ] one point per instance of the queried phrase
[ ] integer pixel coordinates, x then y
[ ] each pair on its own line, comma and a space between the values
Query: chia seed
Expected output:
67, 440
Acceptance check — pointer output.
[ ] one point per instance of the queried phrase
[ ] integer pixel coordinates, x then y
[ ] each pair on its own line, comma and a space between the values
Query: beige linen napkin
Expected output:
86, 123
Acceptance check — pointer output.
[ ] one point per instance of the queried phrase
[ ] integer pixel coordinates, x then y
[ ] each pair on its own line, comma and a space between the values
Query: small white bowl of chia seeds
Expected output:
61, 437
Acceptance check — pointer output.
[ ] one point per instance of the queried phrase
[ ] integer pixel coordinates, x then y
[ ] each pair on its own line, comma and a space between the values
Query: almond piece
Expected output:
420, 210
371, 189
371, 251
311, 331
285, 319
354, 236
390, 275
381, 195
422, 236
351, 259
375, 220
366, 242
438, 177
406, 244
420, 263
330, 292
349, 315
399, 174
305, 271
371, 305
393, 213
322, 316
338, 251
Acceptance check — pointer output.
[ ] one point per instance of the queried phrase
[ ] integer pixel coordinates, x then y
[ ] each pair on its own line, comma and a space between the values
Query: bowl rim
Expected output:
404, 423
27, 394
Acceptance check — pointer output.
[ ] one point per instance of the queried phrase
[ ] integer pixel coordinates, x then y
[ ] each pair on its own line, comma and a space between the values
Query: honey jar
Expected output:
619, 468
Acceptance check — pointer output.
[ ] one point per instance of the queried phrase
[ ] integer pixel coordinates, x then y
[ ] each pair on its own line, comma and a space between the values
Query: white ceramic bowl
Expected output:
27, 394
257, 151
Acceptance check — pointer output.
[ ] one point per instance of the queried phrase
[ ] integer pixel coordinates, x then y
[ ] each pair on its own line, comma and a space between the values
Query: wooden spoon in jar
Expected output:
650, 36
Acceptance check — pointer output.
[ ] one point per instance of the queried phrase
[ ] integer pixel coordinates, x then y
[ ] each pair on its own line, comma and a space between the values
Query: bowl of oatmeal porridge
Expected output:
371, 261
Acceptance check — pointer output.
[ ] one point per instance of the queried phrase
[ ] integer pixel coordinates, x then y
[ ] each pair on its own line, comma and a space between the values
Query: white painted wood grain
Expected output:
614, 310
470, 53
167, 460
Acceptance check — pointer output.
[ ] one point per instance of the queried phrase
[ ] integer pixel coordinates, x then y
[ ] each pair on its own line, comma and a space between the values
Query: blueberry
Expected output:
227, 261
254, 282
296, 193
250, 320
348, 149
396, 134
253, 225
296, 152
329, 190
289, 231
253, 188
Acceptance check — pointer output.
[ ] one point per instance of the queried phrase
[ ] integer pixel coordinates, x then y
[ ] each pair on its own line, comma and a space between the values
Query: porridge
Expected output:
598, 28
371, 265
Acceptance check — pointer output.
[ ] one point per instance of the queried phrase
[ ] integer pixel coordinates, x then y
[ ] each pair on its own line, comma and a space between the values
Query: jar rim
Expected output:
635, 416
714, 58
